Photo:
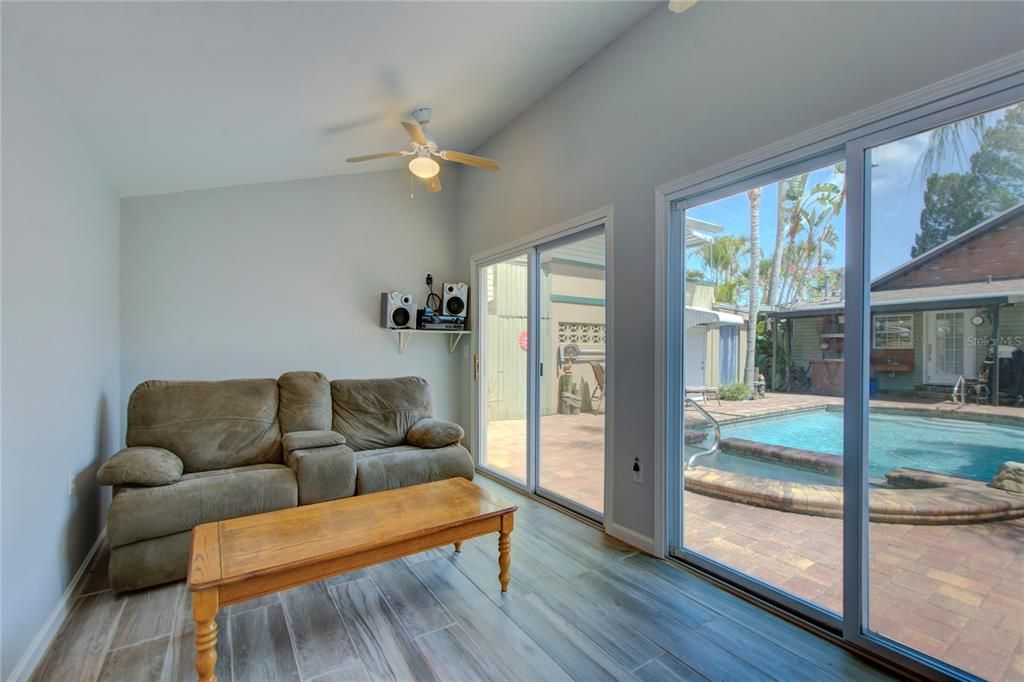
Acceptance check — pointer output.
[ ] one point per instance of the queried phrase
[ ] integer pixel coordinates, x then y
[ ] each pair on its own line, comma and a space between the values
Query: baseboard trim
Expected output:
41, 642
643, 542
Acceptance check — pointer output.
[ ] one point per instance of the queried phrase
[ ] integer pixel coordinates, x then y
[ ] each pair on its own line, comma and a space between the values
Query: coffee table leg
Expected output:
204, 611
458, 547
505, 552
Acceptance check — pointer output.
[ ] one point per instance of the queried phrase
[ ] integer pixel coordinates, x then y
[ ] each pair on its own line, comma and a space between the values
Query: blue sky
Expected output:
897, 197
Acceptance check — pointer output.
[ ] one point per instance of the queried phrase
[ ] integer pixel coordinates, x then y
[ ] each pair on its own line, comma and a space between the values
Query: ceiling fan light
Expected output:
424, 167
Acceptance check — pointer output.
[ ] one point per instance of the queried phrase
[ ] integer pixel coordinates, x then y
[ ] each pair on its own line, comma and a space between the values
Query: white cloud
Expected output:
894, 165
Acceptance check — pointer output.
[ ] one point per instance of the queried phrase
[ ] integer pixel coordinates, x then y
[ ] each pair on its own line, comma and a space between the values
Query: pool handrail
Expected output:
718, 433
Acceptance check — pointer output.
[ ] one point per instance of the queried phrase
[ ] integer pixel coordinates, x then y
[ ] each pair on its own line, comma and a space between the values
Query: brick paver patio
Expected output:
955, 592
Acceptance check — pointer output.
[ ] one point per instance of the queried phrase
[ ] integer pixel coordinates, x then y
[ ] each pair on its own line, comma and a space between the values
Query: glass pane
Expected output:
768, 503
946, 425
503, 366
572, 350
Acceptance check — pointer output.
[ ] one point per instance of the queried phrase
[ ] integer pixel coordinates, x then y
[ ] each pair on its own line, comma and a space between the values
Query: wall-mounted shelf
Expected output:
454, 336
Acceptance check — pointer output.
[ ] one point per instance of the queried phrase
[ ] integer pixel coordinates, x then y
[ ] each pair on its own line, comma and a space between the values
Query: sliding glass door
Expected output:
944, 219
542, 369
864, 470
503, 364
571, 400
762, 475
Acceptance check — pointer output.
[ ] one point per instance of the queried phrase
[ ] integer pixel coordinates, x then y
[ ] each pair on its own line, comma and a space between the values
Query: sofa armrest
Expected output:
308, 440
327, 473
141, 466
434, 433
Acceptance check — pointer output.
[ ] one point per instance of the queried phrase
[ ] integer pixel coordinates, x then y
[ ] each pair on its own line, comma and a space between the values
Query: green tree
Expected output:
720, 260
957, 201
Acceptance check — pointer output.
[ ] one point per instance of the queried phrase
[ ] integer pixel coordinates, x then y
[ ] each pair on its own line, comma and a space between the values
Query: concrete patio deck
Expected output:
955, 592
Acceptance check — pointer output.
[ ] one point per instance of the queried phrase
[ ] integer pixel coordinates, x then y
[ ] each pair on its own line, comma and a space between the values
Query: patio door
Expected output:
727, 455
542, 370
573, 364
946, 349
877, 514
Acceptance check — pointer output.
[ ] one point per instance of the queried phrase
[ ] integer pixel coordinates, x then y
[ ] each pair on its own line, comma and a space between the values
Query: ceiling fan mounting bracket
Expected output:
422, 115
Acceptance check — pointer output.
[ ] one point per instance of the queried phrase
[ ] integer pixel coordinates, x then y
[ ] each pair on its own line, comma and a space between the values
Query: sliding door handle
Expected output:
476, 367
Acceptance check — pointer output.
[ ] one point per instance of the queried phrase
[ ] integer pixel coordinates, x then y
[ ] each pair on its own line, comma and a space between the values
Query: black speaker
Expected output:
455, 299
397, 311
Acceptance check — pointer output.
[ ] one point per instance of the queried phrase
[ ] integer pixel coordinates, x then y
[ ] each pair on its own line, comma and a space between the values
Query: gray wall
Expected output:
256, 280
677, 94
60, 352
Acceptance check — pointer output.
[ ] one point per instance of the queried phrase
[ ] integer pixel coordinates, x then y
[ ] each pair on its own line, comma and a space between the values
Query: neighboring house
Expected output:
715, 338
933, 319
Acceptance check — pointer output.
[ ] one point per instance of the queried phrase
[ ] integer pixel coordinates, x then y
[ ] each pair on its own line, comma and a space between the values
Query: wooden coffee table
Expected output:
251, 556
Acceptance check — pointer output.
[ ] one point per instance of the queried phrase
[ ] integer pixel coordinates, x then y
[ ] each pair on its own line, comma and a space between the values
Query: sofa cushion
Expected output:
377, 413
305, 440
405, 465
144, 513
434, 433
208, 424
140, 466
305, 402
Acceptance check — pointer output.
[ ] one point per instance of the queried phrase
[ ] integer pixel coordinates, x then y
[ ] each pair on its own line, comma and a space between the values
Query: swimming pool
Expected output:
958, 447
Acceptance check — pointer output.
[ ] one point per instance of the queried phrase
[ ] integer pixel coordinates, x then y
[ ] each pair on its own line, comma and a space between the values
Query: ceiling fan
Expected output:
424, 148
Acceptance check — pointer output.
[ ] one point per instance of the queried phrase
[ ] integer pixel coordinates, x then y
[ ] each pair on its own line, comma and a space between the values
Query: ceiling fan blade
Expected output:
415, 132
371, 157
470, 160
433, 184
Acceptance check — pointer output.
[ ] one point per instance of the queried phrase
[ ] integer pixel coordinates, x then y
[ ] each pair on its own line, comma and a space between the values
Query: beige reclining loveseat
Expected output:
201, 451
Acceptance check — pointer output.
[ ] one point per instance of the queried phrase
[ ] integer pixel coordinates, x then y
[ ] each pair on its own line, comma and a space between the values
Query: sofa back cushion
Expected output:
208, 424
305, 402
376, 413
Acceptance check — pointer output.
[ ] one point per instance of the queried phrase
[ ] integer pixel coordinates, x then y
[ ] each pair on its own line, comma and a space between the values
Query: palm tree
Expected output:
720, 258
754, 195
950, 143
790, 190
780, 219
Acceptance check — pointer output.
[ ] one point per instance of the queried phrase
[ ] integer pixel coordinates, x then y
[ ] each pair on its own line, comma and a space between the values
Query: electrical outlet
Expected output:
638, 473
429, 279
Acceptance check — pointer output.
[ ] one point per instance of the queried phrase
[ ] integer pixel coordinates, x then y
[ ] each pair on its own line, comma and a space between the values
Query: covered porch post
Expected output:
995, 367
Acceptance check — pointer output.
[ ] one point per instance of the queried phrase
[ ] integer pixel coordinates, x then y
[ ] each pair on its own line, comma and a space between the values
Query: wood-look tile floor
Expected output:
579, 607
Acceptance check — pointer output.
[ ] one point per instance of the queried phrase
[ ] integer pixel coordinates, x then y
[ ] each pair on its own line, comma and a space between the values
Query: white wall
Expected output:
677, 94
60, 352
256, 280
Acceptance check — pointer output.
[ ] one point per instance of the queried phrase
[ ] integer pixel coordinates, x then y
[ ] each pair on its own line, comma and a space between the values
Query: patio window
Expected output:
891, 332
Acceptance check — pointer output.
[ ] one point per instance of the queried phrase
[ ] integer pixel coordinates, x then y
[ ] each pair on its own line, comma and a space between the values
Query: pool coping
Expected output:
955, 501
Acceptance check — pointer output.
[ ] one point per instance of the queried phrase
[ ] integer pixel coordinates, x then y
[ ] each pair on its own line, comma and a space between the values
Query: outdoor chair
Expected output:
705, 392
597, 396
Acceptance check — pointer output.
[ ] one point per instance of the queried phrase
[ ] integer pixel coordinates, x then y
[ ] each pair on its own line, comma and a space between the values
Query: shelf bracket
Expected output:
453, 341
403, 340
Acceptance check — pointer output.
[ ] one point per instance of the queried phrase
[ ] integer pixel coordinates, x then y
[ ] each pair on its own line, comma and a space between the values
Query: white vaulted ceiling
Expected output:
176, 96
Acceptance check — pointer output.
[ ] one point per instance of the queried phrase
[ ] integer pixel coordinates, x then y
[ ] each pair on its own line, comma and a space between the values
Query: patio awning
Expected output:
706, 317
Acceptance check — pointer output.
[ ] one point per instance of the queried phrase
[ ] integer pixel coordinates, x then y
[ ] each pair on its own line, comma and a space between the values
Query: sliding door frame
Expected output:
989, 87
576, 228
677, 548
856, 577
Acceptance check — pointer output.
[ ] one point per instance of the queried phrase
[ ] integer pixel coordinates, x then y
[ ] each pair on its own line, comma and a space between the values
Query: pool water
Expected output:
958, 447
